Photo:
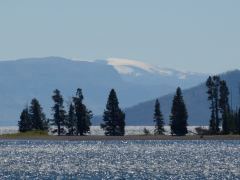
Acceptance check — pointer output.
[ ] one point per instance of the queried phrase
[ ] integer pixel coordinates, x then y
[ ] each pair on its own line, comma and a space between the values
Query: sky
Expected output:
201, 36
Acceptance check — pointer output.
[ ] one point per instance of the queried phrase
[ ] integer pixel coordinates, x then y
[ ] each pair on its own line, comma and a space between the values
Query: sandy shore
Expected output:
123, 138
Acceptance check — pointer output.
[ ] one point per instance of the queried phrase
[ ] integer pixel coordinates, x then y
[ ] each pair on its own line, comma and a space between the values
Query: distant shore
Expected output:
121, 138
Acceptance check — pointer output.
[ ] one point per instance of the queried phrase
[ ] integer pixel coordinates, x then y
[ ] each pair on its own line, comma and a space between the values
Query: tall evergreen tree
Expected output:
59, 113
158, 119
213, 85
37, 116
114, 117
25, 123
83, 115
216, 80
210, 86
224, 107
71, 120
179, 115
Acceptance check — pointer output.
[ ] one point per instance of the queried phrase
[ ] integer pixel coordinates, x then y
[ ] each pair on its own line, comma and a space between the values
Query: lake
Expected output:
120, 160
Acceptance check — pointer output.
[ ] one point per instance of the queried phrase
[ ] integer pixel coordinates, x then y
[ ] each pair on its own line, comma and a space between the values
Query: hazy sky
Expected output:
201, 36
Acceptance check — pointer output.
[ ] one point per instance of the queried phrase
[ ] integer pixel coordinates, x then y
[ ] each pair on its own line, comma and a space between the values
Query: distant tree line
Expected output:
222, 115
77, 119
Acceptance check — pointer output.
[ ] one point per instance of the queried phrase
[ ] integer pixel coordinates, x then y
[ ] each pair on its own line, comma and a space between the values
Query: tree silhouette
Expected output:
83, 115
224, 106
113, 118
37, 116
25, 123
71, 120
158, 119
58, 111
179, 115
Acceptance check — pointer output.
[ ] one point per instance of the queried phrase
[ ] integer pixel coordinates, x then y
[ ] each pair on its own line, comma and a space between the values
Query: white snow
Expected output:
123, 66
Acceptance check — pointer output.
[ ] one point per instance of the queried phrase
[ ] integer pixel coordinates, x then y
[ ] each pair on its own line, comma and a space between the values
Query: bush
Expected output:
202, 131
146, 131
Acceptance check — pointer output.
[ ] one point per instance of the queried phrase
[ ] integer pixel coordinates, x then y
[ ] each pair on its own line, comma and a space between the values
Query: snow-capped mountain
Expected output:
21, 80
131, 67
143, 73
136, 68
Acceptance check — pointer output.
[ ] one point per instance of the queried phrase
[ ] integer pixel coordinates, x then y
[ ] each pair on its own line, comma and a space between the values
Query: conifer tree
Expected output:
224, 107
83, 115
25, 123
216, 80
37, 116
158, 119
59, 113
114, 117
213, 85
179, 115
71, 120
210, 85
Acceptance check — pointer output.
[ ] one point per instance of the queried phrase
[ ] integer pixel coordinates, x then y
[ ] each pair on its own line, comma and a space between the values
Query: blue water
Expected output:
120, 160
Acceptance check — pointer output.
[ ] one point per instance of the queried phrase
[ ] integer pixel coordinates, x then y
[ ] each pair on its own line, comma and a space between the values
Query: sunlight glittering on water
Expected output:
120, 160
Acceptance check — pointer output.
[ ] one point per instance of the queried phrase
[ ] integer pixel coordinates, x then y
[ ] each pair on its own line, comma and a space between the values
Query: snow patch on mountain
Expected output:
126, 66
134, 68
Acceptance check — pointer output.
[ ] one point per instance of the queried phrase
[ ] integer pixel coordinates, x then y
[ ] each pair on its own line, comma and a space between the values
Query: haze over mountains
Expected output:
195, 99
135, 82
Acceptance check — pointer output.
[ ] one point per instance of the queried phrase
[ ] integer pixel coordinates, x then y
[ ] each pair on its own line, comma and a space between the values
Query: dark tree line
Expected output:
221, 113
77, 120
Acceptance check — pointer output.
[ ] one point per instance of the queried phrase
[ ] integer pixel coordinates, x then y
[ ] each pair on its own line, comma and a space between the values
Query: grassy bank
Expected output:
22, 135
43, 135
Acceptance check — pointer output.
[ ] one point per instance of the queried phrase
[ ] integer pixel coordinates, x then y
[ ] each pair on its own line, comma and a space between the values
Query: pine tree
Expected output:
25, 123
179, 115
224, 107
37, 116
216, 80
71, 120
212, 124
83, 115
114, 117
158, 119
213, 85
58, 111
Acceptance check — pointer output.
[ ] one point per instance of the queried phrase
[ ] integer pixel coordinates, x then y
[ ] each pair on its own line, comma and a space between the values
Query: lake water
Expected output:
120, 160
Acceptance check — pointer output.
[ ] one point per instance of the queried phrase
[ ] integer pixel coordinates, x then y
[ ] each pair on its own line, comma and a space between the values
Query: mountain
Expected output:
195, 99
141, 73
21, 80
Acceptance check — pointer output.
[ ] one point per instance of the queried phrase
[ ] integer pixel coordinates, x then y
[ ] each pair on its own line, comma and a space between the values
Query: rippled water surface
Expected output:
120, 160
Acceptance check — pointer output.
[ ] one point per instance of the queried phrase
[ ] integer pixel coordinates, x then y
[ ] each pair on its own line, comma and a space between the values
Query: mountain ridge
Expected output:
21, 80
195, 99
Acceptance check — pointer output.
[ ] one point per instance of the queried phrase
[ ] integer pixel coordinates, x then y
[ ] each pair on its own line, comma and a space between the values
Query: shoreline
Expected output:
121, 138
